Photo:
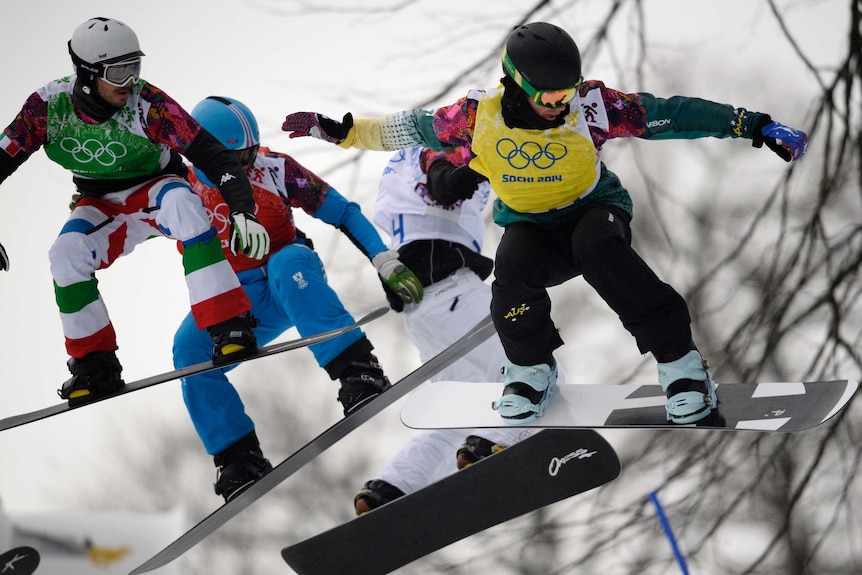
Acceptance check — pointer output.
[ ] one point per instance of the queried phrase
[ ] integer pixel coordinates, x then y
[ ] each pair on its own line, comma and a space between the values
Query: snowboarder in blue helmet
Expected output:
537, 138
287, 288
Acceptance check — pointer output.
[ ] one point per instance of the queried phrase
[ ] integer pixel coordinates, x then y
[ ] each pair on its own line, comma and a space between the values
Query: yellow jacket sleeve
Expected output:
395, 132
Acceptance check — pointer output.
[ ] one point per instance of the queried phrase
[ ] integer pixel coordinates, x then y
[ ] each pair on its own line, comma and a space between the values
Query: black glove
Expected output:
448, 184
318, 126
392, 298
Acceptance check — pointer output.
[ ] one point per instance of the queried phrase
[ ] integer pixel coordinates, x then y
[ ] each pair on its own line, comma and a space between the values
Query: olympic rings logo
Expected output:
219, 217
520, 157
93, 150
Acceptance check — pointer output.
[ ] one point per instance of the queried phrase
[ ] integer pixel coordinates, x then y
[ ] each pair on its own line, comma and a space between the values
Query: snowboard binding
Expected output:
528, 391
689, 387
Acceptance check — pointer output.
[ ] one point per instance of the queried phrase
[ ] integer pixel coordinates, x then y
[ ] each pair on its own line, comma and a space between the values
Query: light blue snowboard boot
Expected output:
689, 387
527, 392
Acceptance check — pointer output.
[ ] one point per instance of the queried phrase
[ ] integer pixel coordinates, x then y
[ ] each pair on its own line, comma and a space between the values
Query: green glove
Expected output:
398, 277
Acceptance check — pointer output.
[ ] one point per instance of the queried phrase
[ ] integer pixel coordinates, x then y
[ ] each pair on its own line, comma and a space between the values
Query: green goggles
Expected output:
546, 98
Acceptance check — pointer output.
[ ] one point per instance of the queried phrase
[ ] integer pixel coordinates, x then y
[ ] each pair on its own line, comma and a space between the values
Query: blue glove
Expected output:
4, 259
789, 143
318, 126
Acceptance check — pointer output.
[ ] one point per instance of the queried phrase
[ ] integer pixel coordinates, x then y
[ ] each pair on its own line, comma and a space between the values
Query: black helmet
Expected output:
542, 54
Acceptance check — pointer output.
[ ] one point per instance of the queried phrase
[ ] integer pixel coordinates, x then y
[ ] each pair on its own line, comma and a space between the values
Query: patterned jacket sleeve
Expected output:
24, 136
310, 193
446, 127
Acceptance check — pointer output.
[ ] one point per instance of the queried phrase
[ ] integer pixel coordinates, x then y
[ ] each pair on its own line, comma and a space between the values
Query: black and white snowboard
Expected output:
19, 561
24, 418
545, 468
478, 334
784, 406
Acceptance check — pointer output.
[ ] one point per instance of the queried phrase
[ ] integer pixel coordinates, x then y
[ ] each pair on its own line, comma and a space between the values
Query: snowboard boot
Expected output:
361, 382
234, 338
689, 387
527, 392
474, 449
96, 375
239, 466
374, 494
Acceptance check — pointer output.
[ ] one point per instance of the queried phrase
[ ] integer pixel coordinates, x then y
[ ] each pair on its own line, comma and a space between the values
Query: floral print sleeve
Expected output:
308, 192
27, 131
167, 122
454, 124
459, 156
610, 113
24, 135
305, 189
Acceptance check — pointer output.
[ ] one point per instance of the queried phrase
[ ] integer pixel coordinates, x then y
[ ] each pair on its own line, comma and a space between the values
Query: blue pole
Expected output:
665, 525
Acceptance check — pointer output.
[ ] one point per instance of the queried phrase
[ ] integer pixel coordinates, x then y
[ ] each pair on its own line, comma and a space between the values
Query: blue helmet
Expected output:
232, 124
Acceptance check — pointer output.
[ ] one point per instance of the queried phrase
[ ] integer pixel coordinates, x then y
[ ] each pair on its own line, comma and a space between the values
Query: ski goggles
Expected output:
546, 98
247, 156
120, 73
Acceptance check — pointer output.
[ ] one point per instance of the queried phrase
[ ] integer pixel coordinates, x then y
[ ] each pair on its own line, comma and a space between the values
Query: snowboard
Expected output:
24, 418
478, 334
778, 406
547, 467
19, 561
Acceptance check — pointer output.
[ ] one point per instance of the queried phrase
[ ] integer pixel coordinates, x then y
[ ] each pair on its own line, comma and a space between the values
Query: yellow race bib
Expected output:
534, 170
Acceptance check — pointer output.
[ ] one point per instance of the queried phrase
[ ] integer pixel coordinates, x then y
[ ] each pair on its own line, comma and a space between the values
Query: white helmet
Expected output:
100, 42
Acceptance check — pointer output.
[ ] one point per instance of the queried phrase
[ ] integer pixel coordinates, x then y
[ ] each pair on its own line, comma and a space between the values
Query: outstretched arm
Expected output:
394, 132
789, 143
683, 117
348, 218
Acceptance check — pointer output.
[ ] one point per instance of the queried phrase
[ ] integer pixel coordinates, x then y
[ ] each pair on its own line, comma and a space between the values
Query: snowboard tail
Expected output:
482, 331
545, 468
776, 406
19, 561
25, 418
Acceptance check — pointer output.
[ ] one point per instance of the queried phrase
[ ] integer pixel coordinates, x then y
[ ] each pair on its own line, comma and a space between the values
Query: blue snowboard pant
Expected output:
289, 290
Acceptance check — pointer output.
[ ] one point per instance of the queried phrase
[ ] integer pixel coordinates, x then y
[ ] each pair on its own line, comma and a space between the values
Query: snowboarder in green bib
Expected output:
122, 137
538, 138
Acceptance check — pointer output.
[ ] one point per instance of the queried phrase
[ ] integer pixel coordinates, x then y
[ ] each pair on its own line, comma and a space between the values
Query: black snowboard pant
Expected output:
597, 246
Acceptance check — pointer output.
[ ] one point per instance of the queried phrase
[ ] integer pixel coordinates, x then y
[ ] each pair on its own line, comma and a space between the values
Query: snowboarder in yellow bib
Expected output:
537, 138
